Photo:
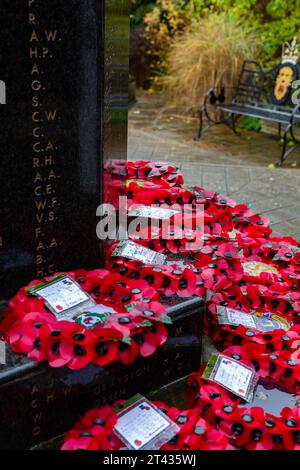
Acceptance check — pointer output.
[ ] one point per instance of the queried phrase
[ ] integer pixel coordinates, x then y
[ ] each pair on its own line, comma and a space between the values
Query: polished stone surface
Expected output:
65, 67
271, 398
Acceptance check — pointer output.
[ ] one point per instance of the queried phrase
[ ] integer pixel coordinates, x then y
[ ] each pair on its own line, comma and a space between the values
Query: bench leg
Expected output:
230, 122
199, 135
286, 151
233, 125
283, 151
201, 129
286, 154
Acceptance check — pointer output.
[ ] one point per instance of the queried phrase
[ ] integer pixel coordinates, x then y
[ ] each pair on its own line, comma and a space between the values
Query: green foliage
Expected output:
275, 21
139, 8
250, 123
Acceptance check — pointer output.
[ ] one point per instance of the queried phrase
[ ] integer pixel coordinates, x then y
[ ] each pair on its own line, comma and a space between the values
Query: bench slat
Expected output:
259, 113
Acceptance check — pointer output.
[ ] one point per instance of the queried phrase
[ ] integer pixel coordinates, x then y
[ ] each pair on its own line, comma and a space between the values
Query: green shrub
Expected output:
167, 20
274, 21
139, 8
250, 123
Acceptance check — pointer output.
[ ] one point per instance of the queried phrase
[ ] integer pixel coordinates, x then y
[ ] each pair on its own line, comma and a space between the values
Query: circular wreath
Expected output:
168, 280
136, 325
217, 420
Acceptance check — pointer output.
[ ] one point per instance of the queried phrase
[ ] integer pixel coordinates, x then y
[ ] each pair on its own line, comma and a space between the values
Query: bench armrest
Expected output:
217, 95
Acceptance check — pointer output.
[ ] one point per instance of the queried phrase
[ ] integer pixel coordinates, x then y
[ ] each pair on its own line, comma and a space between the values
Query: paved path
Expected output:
221, 164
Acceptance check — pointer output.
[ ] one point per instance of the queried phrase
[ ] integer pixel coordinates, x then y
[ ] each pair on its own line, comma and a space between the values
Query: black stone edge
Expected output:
19, 371
154, 395
187, 306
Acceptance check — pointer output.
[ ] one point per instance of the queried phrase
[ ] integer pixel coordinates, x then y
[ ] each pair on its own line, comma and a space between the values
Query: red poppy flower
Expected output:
105, 348
215, 440
170, 284
82, 443
241, 425
127, 352
195, 439
150, 338
233, 297
210, 398
214, 280
242, 353
288, 369
184, 419
291, 439
153, 275
173, 179
227, 251
223, 201
24, 336
202, 195
151, 310
57, 356
285, 254
290, 422
115, 290
98, 420
187, 284
260, 439
226, 410
79, 356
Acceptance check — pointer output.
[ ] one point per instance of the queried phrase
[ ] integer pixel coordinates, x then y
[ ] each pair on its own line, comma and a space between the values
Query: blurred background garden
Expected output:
184, 46
180, 48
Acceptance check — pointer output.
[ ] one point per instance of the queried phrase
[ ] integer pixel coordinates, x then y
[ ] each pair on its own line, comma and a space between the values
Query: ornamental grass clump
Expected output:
210, 53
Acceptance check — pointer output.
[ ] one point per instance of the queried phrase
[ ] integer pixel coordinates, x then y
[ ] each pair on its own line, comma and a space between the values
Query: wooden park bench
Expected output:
262, 94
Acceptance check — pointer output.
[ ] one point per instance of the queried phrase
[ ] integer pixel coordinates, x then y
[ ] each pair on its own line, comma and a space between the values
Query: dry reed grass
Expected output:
209, 54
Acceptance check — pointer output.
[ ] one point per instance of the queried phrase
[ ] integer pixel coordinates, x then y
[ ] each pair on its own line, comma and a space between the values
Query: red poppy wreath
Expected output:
95, 431
232, 261
133, 323
216, 421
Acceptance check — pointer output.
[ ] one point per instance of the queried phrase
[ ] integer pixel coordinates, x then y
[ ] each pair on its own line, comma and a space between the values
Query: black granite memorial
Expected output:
65, 66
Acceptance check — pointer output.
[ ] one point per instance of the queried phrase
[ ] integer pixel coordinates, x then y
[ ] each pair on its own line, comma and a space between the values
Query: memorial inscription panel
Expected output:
61, 100
39, 403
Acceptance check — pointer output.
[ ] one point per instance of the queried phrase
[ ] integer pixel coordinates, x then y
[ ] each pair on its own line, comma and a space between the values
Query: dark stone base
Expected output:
39, 403
177, 394
174, 394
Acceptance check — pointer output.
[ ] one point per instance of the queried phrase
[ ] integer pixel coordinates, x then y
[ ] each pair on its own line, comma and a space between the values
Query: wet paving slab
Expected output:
240, 167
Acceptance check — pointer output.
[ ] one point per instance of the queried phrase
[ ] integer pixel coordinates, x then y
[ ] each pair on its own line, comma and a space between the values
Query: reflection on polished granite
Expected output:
39, 402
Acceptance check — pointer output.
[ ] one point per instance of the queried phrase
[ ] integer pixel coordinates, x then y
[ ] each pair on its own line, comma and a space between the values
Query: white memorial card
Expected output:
142, 426
131, 250
61, 294
232, 375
